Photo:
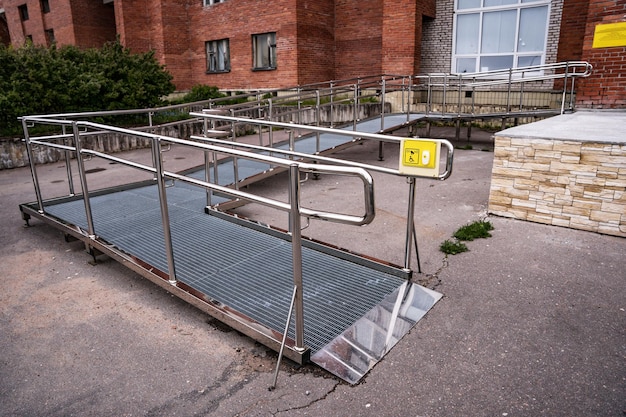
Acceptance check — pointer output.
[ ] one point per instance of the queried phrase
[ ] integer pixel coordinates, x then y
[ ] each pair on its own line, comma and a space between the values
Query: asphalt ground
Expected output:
532, 322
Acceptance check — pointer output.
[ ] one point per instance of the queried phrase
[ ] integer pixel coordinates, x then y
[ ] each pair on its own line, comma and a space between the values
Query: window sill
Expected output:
264, 69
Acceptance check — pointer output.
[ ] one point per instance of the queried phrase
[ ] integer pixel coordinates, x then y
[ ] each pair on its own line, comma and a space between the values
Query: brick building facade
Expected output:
246, 44
85, 23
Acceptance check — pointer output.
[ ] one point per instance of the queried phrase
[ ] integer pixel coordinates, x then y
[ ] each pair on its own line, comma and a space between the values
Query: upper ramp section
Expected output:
531, 92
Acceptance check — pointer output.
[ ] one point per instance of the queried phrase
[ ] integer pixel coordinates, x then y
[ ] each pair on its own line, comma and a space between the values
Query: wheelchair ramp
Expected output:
356, 309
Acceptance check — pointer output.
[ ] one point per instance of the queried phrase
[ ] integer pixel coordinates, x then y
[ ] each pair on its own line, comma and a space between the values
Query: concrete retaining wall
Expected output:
576, 184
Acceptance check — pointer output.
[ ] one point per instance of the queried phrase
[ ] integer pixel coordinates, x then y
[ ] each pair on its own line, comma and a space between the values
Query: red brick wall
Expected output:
316, 40
85, 23
606, 87
358, 38
400, 27
226, 20
93, 21
573, 27
138, 25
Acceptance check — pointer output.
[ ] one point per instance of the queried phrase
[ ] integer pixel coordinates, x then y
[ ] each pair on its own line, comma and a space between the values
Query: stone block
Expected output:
526, 184
561, 221
583, 223
573, 210
510, 173
536, 166
539, 218
552, 188
502, 182
615, 182
546, 155
587, 203
568, 147
500, 199
611, 229
528, 204
605, 217
563, 200
570, 158
586, 180
613, 207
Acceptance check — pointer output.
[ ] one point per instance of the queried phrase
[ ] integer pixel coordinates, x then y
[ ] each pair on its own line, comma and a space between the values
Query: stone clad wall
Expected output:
576, 184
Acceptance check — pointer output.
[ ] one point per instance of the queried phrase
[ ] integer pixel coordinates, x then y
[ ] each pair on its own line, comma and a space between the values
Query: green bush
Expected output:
202, 92
40, 80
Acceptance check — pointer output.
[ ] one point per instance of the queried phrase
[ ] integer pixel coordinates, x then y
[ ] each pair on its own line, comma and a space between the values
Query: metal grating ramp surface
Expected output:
243, 268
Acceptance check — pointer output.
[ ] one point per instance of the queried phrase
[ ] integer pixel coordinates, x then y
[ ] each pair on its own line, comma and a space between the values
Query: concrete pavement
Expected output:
532, 322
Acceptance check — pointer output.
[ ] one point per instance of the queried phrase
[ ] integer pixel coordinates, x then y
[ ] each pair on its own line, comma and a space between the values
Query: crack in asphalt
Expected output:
310, 403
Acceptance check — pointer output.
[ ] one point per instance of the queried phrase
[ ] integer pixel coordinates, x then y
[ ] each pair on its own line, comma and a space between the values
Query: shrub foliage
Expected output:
41, 80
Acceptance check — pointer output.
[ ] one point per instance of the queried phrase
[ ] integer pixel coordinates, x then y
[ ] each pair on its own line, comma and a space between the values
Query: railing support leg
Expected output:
33, 168
165, 217
83, 180
282, 345
410, 225
296, 248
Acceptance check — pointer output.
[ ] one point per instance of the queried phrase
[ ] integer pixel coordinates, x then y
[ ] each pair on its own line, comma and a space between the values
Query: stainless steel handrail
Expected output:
293, 206
354, 134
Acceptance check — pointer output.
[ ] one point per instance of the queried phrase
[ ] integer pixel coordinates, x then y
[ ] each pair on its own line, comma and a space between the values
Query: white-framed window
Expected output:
217, 56
264, 51
211, 2
499, 34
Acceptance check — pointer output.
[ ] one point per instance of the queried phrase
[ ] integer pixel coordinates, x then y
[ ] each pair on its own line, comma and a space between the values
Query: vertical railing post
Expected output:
68, 164
33, 169
83, 180
235, 159
355, 108
508, 91
565, 87
332, 104
207, 176
382, 103
444, 102
408, 97
410, 228
458, 105
157, 157
318, 109
270, 115
296, 248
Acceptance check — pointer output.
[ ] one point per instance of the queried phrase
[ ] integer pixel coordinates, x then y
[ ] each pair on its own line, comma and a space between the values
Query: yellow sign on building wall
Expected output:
609, 35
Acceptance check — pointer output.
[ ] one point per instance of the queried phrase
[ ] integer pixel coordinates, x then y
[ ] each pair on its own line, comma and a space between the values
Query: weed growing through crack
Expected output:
476, 230
450, 247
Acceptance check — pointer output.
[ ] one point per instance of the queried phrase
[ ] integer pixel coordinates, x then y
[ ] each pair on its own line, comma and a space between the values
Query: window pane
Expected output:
465, 65
264, 50
218, 56
467, 4
491, 63
467, 33
489, 3
532, 29
528, 61
499, 31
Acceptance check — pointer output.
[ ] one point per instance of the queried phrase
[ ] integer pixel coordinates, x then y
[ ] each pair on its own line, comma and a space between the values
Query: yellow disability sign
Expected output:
419, 157
609, 35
